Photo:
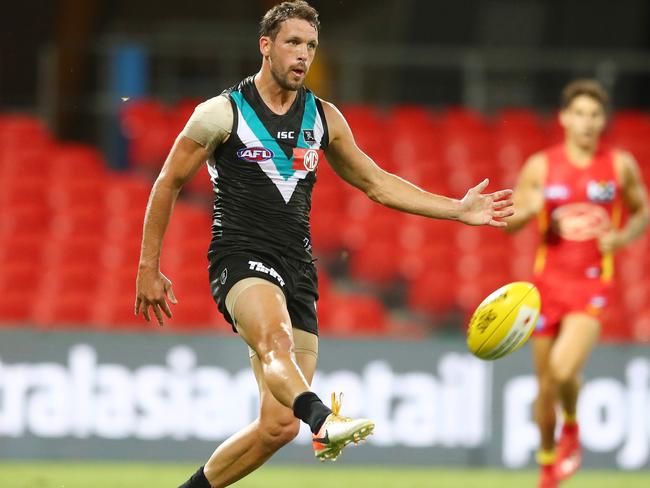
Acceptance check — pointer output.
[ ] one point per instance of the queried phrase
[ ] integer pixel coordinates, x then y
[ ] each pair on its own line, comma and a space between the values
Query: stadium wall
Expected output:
171, 397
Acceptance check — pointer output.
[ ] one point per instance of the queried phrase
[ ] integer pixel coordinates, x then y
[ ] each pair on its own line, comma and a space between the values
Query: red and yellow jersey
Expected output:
580, 205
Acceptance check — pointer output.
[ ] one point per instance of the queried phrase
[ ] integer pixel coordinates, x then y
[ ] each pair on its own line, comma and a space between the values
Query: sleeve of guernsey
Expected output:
211, 123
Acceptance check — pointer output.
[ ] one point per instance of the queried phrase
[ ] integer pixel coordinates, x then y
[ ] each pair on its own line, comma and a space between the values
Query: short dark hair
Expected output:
584, 86
298, 9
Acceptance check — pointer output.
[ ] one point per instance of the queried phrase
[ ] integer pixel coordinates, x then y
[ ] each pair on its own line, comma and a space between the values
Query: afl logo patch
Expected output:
255, 154
224, 276
310, 160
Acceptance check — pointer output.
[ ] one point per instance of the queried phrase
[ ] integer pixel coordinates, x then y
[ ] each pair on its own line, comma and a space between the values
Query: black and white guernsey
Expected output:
264, 173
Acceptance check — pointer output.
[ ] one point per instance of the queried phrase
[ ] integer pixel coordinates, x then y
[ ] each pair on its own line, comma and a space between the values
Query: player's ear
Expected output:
265, 46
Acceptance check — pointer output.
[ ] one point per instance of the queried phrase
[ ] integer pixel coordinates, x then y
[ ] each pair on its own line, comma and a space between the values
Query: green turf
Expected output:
105, 475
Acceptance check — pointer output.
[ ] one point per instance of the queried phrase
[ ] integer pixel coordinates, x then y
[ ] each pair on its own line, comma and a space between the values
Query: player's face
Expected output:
291, 53
583, 121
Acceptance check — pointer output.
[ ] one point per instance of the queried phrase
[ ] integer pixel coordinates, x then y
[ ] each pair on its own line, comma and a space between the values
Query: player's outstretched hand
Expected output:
486, 209
151, 288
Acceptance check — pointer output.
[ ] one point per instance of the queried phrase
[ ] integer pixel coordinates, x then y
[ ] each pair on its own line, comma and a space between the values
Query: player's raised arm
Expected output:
636, 198
529, 192
390, 190
209, 126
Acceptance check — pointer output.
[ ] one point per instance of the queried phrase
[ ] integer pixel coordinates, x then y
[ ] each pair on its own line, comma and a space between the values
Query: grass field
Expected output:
105, 475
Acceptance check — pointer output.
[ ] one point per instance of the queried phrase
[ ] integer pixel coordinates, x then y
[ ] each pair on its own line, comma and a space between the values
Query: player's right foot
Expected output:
338, 431
547, 477
569, 455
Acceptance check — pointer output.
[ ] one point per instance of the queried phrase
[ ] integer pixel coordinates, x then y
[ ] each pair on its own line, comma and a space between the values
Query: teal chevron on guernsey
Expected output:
282, 163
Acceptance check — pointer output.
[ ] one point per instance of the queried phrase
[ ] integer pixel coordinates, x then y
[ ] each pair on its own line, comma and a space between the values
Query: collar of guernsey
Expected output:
279, 168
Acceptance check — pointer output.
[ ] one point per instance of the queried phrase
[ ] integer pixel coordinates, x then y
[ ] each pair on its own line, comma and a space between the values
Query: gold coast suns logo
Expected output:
580, 221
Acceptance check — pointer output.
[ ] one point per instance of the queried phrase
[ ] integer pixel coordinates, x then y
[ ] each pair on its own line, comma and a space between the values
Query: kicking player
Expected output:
577, 190
264, 140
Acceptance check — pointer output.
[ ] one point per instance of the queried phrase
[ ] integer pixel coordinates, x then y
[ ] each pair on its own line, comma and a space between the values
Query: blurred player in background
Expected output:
263, 140
577, 190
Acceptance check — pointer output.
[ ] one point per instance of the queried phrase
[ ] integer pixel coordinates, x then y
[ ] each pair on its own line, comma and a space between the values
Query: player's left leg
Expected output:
544, 410
577, 338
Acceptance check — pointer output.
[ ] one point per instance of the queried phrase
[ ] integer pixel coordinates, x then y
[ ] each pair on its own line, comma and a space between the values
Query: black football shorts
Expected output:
297, 279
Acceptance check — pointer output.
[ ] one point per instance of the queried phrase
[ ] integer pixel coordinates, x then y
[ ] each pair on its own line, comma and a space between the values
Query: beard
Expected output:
284, 80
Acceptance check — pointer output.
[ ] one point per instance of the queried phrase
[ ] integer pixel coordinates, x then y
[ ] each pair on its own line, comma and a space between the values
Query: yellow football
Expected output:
504, 320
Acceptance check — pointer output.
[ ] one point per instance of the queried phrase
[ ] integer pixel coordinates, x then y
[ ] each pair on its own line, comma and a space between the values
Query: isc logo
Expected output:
255, 154
286, 134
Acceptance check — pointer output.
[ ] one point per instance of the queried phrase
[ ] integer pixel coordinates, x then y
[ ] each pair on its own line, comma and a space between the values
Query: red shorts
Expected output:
563, 295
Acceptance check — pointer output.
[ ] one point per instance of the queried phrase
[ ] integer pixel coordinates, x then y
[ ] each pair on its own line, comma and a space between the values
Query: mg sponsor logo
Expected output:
311, 160
306, 159
255, 154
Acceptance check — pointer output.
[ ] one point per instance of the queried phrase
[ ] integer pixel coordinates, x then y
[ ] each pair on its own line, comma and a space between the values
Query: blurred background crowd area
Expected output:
93, 94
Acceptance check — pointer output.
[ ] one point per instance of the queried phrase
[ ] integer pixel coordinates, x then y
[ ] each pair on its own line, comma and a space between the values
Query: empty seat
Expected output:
16, 307
28, 219
377, 263
351, 315
72, 161
433, 292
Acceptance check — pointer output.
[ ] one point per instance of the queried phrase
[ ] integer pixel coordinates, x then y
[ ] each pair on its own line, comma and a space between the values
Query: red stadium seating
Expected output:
351, 315
70, 230
16, 307
150, 130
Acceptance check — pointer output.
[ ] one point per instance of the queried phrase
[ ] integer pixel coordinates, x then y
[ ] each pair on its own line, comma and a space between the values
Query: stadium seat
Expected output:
22, 190
25, 162
71, 161
20, 130
21, 249
377, 263
200, 184
641, 326
127, 194
84, 250
351, 315
325, 236
19, 276
324, 282
409, 115
69, 311
77, 221
150, 130
465, 120
433, 292
24, 219
78, 195
16, 307
117, 313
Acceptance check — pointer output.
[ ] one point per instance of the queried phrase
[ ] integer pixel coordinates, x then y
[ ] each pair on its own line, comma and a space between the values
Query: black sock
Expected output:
311, 410
198, 480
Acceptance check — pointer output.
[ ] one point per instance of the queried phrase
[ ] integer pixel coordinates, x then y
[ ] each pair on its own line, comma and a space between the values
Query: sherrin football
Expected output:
504, 320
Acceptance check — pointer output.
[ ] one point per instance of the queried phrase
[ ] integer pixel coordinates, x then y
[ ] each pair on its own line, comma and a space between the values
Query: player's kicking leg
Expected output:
578, 336
283, 378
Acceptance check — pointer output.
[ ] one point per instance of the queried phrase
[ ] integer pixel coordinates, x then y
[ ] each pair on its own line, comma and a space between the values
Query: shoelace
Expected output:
336, 407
